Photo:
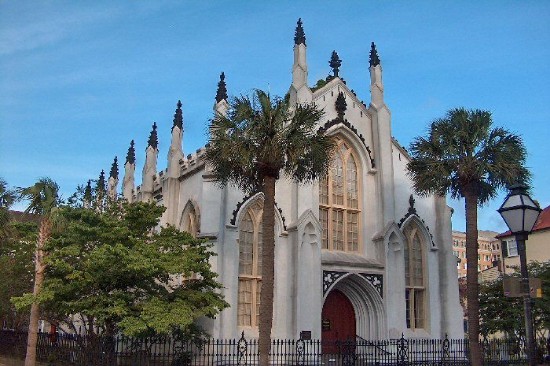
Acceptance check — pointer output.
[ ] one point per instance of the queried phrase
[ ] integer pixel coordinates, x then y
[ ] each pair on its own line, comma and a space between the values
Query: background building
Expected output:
537, 245
488, 253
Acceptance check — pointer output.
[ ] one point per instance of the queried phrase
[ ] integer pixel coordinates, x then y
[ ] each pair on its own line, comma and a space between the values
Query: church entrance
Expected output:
338, 321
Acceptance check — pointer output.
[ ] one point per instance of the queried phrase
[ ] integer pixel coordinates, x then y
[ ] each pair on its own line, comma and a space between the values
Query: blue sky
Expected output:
79, 80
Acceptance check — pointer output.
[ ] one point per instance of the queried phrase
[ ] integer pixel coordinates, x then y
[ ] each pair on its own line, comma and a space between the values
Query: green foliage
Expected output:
7, 198
16, 270
462, 151
320, 83
43, 196
113, 269
501, 314
262, 136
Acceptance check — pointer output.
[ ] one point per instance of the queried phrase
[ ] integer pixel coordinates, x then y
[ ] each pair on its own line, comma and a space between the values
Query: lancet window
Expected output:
189, 220
415, 289
339, 201
250, 266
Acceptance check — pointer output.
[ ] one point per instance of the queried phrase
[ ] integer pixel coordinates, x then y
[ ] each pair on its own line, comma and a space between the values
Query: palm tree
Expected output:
462, 155
43, 198
259, 138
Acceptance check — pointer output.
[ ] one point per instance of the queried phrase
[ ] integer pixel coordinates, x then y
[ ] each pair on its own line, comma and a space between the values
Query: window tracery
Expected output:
250, 266
414, 278
339, 201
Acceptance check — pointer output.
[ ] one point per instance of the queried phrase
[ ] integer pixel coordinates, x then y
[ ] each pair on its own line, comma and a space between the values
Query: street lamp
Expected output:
520, 213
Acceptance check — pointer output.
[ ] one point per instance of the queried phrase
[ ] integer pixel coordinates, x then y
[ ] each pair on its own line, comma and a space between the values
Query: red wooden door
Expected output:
338, 321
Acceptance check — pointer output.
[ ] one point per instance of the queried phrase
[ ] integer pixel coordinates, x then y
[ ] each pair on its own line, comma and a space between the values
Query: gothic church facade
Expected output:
357, 253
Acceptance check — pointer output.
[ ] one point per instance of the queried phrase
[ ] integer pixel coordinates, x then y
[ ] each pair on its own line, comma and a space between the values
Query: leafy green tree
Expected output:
43, 198
16, 270
260, 138
7, 198
464, 156
501, 314
117, 273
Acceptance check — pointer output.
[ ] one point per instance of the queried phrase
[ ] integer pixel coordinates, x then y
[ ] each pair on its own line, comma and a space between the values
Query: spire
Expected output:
374, 59
88, 194
299, 91
129, 169
131, 156
153, 139
114, 169
221, 94
299, 35
340, 105
178, 117
335, 63
100, 190
101, 181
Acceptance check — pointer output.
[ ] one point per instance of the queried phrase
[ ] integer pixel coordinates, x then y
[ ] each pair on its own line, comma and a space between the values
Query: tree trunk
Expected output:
39, 267
472, 286
268, 265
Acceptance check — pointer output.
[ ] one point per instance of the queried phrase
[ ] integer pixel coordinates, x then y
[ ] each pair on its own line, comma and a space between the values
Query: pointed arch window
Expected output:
250, 265
189, 220
339, 201
415, 289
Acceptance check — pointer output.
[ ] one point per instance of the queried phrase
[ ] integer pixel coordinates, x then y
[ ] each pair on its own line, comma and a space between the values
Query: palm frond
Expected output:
261, 136
7, 196
461, 149
43, 196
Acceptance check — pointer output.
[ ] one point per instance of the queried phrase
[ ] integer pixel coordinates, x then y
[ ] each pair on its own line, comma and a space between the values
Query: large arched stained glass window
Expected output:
414, 278
250, 265
339, 203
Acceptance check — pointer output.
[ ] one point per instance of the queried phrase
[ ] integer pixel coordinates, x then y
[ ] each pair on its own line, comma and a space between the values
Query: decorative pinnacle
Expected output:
221, 94
340, 105
131, 156
88, 192
178, 117
335, 63
101, 182
299, 35
153, 139
114, 169
374, 59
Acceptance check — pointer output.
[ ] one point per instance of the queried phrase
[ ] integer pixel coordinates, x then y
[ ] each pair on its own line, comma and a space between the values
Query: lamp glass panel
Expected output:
511, 201
530, 219
529, 202
514, 220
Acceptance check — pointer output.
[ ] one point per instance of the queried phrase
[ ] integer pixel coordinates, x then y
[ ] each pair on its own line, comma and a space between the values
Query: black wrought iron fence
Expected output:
77, 350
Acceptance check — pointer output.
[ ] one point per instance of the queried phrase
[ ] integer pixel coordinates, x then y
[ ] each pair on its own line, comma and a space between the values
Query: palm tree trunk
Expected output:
39, 267
472, 286
268, 271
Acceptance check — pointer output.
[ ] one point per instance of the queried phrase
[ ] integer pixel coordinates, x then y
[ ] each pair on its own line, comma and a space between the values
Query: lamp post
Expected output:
520, 213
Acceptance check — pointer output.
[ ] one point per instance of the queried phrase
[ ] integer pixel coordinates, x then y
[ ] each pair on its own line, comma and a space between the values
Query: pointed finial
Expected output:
221, 94
100, 187
340, 105
299, 35
131, 156
335, 63
153, 139
114, 169
178, 117
88, 192
374, 59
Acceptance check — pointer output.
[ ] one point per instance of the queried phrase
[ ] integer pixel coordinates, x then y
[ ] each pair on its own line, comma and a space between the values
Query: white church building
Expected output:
356, 254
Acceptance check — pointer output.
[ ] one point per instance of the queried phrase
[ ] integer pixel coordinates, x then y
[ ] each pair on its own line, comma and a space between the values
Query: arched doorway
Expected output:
338, 320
